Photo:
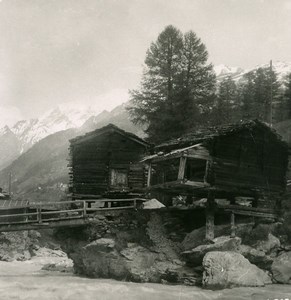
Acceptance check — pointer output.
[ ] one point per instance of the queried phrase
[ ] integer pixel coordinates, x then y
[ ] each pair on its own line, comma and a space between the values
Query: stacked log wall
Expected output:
253, 160
91, 160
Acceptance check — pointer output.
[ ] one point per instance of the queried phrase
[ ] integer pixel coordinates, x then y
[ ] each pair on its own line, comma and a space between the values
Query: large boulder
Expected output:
256, 257
197, 236
222, 243
269, 245
138, 261
262, 236
281, 268
102, 259
231, 269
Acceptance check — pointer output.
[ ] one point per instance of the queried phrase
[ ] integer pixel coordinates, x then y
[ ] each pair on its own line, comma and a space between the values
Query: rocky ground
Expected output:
159, 247
155, 247
38, 248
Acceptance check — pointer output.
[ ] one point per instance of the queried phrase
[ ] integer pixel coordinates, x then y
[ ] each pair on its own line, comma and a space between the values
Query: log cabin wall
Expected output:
247, 159
252, 160
106, 162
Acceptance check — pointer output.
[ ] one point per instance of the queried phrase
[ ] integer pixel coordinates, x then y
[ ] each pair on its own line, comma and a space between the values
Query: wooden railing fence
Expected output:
64, 210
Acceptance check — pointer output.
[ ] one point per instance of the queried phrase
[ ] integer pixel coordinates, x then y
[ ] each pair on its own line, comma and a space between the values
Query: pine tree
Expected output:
246, 88
266, 90
255, 92
176, 85
287, 95
227, 102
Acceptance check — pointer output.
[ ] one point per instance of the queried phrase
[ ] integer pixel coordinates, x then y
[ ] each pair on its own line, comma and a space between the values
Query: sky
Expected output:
92, 51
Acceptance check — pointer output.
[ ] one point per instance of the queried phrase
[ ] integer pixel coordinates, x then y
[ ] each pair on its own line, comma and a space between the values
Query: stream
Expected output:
26, 280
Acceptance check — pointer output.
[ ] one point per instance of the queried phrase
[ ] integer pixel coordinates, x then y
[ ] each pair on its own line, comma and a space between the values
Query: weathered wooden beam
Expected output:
180, 184
182, 167
149, 175
256, 214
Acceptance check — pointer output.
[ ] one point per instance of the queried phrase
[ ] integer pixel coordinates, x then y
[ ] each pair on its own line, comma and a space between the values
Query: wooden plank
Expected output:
63, 218
255, 214
61, 211
149, 175
110, 208
182, 166
246, 208
18, 215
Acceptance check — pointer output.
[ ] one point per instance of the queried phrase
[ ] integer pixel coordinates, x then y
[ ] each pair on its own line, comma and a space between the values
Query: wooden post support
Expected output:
182, 166
210, 216
232, 225
84, 209
149, 175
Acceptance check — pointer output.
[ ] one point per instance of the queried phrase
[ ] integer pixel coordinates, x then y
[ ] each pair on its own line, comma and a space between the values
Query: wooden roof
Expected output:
193, 151
108, 128
206, 134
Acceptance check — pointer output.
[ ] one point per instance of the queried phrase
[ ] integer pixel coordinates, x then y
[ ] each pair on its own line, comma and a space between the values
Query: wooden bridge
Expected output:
60, 214
80, 212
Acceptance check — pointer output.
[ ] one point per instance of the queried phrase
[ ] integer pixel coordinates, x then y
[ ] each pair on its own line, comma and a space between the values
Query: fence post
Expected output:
39, 214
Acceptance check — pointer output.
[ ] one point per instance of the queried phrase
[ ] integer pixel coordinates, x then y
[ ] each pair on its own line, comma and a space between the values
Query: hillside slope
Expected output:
9, 147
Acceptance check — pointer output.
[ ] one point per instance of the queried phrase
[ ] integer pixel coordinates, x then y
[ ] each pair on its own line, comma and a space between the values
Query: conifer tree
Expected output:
227, 102
287, 95
176, 85
256, 90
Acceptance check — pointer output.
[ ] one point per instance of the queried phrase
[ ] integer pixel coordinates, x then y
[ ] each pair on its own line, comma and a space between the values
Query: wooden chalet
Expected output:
106, 163
236, 161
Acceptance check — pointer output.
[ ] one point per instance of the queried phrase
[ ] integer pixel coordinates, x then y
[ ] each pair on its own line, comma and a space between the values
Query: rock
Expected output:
231, 269
15, 246
103, 244
260, 233
256, 257
222, 243
281, 268
46, 252
33, 234
271, 244
63, 267
152, 204
101, 260
23, 256
197, 236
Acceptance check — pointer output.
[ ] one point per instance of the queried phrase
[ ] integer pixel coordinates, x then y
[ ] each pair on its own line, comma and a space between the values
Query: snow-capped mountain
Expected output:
24, 134
65, 116
222, 71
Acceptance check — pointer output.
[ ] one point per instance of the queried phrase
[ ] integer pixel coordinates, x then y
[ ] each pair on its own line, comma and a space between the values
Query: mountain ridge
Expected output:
282, 68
